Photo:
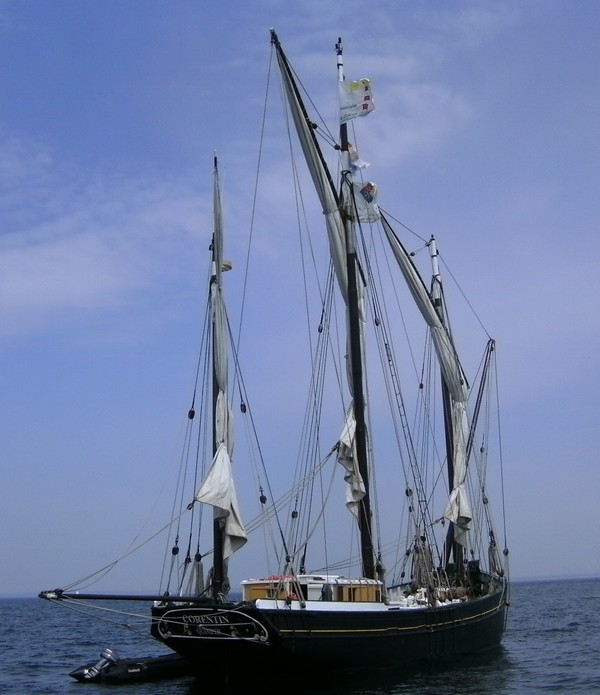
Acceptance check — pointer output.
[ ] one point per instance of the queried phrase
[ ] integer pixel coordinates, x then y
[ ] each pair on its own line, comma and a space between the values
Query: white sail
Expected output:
337, 246
321, 180
218, 487
355, 489
218, 490
458, 509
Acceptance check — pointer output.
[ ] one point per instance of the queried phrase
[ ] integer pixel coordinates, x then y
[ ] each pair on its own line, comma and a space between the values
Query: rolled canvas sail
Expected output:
218, 487
458, 509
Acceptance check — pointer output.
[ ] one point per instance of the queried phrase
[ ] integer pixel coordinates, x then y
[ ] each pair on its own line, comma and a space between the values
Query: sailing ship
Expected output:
441, 588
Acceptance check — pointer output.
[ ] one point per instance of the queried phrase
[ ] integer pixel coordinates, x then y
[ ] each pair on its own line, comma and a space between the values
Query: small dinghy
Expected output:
112, 669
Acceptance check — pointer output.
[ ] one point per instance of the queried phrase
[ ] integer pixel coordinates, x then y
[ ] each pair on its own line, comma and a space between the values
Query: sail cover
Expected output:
458, 509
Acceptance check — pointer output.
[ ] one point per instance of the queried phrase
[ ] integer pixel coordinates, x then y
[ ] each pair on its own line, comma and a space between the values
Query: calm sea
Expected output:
552, 645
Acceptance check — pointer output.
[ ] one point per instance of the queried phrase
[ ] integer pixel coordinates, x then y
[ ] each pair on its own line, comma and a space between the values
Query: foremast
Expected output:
217, 488
219, 574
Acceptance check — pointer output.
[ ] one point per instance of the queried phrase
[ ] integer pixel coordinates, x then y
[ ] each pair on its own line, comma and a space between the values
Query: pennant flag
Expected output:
356, 99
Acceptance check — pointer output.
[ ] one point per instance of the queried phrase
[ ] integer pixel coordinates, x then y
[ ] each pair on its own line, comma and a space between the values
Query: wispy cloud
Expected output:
74, 239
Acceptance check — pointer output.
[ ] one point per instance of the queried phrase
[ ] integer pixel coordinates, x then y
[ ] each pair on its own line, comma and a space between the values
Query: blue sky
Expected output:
487, 133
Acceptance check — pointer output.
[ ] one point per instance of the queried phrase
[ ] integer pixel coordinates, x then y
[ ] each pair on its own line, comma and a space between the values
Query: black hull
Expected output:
326, 641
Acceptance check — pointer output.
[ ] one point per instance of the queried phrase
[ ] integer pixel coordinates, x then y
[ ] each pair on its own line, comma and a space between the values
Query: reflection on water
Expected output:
465, 676
473, 675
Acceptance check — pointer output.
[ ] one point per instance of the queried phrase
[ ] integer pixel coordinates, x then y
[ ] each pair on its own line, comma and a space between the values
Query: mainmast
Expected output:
338, 209
355, 340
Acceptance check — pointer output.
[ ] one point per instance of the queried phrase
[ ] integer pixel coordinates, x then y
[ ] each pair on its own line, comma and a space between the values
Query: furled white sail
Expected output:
458, 509
337, 246
218, 490
321, 180
218, 487
355, 489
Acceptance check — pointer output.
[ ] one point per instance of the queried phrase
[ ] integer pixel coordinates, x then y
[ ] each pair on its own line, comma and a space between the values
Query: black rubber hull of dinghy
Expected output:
142, 669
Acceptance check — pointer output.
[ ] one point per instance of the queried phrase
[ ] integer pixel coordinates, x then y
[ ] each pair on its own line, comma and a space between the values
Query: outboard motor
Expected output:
109, 658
